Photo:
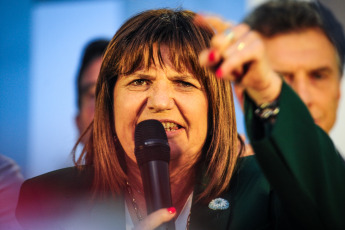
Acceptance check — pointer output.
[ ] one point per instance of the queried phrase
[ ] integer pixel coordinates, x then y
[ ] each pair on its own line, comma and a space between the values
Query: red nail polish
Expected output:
211, 56
219, 73
171, 210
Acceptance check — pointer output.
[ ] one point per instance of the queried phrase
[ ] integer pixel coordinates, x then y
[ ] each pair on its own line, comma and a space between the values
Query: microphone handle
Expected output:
156, 182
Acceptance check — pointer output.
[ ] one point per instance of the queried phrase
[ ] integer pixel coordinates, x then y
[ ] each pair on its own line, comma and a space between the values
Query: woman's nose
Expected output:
160, 97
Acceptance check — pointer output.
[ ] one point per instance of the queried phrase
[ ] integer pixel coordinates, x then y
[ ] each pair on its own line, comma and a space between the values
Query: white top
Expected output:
180, 223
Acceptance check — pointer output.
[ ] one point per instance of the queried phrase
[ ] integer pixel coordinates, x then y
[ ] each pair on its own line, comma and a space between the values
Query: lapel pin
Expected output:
218, 204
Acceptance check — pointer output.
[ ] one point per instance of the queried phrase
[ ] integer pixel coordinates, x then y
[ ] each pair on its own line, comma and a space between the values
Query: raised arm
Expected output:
297, 157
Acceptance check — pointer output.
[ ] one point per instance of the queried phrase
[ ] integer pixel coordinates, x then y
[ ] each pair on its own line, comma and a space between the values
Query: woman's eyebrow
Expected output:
182, 77
140, 75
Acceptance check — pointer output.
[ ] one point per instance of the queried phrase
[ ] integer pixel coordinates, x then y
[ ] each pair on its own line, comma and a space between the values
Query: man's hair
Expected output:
285, 16
94, 49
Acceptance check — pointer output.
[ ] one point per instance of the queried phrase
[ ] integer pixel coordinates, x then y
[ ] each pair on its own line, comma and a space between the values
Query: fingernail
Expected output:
171, 210
212, 56
219, 73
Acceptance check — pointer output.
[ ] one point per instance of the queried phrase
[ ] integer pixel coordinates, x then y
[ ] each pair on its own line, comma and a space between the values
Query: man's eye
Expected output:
91, 95
318, 76
286, 76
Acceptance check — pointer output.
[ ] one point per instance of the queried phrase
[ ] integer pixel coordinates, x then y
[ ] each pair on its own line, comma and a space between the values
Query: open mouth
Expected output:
170, 126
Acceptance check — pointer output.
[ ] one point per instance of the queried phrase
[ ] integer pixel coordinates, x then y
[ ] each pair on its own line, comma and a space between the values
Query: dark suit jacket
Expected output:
296, 180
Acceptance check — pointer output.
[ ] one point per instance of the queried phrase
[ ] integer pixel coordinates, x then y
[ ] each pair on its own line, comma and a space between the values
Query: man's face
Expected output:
309, 64
87, 106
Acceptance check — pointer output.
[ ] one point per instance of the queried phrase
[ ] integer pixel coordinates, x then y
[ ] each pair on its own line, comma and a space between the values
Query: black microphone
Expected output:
152, 152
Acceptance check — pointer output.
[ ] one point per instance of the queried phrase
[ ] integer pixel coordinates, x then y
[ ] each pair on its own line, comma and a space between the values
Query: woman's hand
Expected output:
239, 56
156, 218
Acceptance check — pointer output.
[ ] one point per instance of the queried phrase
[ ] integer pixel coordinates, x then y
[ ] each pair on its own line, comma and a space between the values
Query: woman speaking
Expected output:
170, 66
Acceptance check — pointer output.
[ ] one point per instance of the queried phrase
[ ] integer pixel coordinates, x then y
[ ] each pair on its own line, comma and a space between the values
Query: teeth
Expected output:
169, 126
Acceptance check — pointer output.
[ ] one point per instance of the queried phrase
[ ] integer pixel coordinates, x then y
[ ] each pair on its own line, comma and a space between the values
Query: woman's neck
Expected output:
182, 181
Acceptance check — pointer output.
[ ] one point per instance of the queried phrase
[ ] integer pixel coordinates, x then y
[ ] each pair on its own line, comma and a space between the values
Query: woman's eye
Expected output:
185, 84
139, 82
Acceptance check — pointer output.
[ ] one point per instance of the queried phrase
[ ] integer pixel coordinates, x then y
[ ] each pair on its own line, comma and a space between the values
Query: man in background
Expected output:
305, 45
86, 83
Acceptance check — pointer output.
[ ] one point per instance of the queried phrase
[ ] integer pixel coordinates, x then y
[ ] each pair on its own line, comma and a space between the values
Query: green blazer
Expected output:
301, 163
295, 181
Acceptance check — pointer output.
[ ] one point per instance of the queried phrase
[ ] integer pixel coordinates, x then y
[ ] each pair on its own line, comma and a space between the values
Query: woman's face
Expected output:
176, 99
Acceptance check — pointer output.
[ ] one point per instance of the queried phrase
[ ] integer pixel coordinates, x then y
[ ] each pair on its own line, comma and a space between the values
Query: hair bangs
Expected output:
142, 46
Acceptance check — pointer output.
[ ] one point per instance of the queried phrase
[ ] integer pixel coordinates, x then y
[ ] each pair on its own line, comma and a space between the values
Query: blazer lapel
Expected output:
202, 217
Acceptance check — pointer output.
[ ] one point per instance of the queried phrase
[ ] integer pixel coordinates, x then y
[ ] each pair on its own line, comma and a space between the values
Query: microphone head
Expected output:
151, 142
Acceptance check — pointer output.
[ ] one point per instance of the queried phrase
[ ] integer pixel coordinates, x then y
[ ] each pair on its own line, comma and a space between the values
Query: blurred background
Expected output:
40, 49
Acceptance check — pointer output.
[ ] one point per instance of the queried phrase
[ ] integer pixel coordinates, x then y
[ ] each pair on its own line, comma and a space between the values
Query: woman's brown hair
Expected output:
132, 48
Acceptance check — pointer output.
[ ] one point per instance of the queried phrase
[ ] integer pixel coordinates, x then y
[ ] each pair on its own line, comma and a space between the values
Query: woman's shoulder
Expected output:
54, 196
67, 181
249, 173
248, 165
70, 173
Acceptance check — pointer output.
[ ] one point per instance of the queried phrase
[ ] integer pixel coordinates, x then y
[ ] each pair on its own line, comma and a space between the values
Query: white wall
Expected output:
338, 132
